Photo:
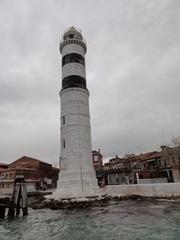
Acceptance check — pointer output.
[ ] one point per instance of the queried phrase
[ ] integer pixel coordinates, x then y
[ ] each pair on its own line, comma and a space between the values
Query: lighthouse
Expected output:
77, 176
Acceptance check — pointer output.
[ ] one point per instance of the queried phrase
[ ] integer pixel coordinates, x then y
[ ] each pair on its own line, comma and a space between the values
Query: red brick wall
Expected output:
25, 162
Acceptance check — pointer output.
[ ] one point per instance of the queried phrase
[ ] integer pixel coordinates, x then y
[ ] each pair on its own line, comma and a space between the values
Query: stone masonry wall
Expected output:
145, 190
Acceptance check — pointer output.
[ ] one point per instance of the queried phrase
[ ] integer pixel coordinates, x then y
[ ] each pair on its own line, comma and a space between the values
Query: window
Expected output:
159, 162
95, 158
63, 143
71, 36
73, 81
73, 57
63, 120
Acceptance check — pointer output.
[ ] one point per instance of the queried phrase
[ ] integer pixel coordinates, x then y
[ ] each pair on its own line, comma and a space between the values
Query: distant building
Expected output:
170, 158
149, 167
38, 175
152, 170
116, 172
97, 160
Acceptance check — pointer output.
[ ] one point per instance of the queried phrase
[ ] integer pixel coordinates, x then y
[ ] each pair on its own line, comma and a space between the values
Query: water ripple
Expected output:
146, 220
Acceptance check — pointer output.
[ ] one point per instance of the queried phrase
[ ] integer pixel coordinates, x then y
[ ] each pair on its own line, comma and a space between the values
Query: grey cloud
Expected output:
132, 73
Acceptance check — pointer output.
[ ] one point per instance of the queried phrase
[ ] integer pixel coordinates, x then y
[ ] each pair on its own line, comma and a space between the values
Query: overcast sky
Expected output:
133, 74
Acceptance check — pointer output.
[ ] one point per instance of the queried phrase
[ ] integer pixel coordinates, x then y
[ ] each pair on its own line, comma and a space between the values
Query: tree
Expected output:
176, 140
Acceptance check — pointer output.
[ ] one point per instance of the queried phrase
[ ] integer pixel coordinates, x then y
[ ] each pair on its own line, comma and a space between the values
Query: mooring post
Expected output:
25, 211
19, 198
11, 211
24, 202
2, 211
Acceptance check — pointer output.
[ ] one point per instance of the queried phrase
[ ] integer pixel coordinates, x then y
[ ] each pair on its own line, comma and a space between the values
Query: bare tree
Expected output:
176, 140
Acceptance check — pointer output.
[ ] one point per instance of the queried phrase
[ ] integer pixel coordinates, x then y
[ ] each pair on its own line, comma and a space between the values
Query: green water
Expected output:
128, 220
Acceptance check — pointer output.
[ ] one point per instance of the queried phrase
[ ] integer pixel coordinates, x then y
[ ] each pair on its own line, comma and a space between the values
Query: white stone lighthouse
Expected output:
77, 176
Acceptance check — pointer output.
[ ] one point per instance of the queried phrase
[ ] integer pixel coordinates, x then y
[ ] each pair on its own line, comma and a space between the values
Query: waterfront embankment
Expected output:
158, 190
110, 194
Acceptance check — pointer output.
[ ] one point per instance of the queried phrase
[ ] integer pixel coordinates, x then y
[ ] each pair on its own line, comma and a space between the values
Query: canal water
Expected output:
128, 220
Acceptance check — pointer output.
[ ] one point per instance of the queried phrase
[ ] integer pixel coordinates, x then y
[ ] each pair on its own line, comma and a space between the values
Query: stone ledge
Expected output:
74, 203
88, 203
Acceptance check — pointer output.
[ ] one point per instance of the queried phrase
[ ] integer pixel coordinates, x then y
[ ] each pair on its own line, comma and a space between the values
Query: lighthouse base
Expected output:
73, 203
76, 187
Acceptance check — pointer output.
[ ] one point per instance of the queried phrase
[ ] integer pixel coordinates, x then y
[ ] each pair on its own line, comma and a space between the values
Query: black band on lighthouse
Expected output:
73, 57
74, 81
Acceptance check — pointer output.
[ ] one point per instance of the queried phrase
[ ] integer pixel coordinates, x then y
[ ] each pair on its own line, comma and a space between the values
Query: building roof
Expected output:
27, 159
3, 167
133, 158
143, 156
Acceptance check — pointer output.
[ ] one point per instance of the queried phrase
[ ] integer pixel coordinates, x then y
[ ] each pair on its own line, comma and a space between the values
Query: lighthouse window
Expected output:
63, 120
73, 57
74, 81
63, 143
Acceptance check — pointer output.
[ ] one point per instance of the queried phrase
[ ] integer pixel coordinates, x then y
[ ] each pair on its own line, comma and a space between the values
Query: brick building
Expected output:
143, 168
39, 175
170, 158
116, 171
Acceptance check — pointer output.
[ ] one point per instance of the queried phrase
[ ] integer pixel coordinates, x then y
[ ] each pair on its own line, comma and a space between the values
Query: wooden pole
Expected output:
19, 197
2, 211
11, 211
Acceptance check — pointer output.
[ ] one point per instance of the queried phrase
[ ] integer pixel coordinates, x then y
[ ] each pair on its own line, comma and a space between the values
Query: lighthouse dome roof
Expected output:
72, 32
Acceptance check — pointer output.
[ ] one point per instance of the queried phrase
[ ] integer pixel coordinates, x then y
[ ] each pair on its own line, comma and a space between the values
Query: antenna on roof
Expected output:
164, 137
